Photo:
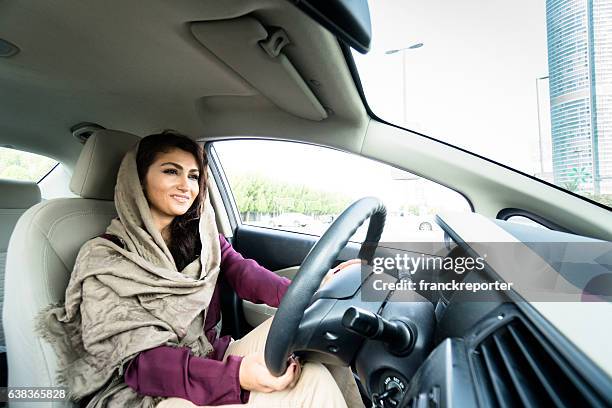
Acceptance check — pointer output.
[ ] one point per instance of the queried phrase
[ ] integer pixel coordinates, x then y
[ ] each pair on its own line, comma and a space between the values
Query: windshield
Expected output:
526, 83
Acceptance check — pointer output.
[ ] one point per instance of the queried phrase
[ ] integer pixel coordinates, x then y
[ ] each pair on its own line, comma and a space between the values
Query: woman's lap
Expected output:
315, 388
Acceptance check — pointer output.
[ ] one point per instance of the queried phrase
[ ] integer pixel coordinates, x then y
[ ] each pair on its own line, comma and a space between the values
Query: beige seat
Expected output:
15, 198
42, 251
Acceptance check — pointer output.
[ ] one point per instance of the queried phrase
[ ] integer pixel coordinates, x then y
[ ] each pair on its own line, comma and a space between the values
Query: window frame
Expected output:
227, 194
225, 190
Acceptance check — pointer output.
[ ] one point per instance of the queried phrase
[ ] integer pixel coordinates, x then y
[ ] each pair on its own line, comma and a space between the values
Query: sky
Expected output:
472, 83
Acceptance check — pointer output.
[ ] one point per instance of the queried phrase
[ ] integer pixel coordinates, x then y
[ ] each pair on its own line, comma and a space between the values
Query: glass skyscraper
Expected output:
580, 79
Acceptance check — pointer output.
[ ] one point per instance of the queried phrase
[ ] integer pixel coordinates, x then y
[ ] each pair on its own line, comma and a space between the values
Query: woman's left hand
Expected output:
332, 272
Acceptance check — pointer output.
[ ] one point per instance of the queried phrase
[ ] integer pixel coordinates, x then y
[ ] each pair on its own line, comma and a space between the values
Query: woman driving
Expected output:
141, 319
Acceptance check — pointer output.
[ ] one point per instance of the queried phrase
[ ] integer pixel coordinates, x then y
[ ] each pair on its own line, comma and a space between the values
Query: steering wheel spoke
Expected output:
284, 329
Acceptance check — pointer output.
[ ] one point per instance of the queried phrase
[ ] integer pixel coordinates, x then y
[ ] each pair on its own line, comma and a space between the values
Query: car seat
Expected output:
16, 197
41, 255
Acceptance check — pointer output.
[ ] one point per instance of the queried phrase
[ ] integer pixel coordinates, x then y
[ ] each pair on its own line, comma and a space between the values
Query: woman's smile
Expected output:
171, 185
180, 198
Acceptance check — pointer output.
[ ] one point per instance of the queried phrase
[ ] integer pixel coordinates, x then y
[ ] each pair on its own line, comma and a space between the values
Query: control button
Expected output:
330, 336
333, 349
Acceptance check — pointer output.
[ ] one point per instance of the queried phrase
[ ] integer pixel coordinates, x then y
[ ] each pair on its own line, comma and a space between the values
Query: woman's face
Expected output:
171, 184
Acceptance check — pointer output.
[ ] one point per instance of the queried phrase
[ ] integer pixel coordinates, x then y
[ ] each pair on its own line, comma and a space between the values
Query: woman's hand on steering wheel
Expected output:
284, 332
254, 375
332, 272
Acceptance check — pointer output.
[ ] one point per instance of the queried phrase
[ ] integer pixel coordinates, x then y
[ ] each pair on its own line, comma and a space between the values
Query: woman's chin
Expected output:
177, 211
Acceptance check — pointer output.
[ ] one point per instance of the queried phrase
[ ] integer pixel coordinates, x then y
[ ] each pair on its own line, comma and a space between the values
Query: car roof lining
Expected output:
140, 69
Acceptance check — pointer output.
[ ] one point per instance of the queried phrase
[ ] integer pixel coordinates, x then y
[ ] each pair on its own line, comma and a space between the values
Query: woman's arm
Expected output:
173, 372
250, 280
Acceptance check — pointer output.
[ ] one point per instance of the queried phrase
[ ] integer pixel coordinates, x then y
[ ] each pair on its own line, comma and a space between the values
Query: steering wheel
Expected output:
283, 331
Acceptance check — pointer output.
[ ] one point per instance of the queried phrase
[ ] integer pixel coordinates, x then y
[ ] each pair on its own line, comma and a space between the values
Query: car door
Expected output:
281, 197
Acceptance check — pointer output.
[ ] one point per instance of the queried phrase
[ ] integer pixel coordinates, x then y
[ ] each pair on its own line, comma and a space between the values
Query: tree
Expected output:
18, 165
256, 194
578, 176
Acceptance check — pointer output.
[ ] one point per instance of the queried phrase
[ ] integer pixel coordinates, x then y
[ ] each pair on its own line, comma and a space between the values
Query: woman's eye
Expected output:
194, 177
170, 171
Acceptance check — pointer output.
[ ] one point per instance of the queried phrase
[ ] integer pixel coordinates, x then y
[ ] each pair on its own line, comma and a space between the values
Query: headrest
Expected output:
18, 194
95, 174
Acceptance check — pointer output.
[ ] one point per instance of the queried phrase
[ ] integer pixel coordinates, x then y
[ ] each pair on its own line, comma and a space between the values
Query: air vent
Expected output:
516, 367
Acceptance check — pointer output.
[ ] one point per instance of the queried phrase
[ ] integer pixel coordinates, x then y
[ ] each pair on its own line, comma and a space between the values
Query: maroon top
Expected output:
167, 371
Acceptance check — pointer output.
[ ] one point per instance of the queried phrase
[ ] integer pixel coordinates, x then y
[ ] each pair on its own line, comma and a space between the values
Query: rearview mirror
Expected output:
348, 20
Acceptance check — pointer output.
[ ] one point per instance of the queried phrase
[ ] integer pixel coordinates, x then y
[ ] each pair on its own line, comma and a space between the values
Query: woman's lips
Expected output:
180, 199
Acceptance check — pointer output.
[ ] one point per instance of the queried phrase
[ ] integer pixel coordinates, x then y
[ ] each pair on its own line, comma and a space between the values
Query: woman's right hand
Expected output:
254, 375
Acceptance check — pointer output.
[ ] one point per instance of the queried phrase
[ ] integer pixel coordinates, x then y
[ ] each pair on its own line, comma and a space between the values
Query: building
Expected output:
580, 81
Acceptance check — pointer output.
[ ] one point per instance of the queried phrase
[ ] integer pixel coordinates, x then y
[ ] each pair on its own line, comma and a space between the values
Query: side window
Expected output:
19, 165
303, 188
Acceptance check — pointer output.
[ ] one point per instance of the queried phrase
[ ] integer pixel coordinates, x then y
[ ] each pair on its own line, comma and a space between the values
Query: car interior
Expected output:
84, 81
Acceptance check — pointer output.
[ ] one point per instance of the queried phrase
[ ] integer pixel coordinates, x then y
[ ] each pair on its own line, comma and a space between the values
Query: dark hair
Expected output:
185, 245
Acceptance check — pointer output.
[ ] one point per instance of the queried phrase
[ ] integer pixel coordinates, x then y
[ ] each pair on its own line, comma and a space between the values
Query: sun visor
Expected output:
256, 54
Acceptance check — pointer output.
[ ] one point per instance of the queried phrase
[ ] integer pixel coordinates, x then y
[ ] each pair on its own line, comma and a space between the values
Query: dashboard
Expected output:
522, 344
509, 347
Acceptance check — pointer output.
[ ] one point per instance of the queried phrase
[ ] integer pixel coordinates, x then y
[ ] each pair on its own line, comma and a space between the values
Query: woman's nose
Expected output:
183, 184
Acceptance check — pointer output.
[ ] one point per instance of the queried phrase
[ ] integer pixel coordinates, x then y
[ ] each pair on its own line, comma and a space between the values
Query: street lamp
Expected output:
412, 47
389, 52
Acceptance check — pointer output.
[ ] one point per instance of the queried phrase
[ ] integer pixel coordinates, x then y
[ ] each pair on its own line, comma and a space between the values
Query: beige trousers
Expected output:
319, 386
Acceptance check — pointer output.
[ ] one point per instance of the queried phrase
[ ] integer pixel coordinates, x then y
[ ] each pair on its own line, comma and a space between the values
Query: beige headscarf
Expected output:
120, 302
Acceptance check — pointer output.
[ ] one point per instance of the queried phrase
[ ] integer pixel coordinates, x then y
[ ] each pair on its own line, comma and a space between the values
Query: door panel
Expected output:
288, 272
275, 250
257, 314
